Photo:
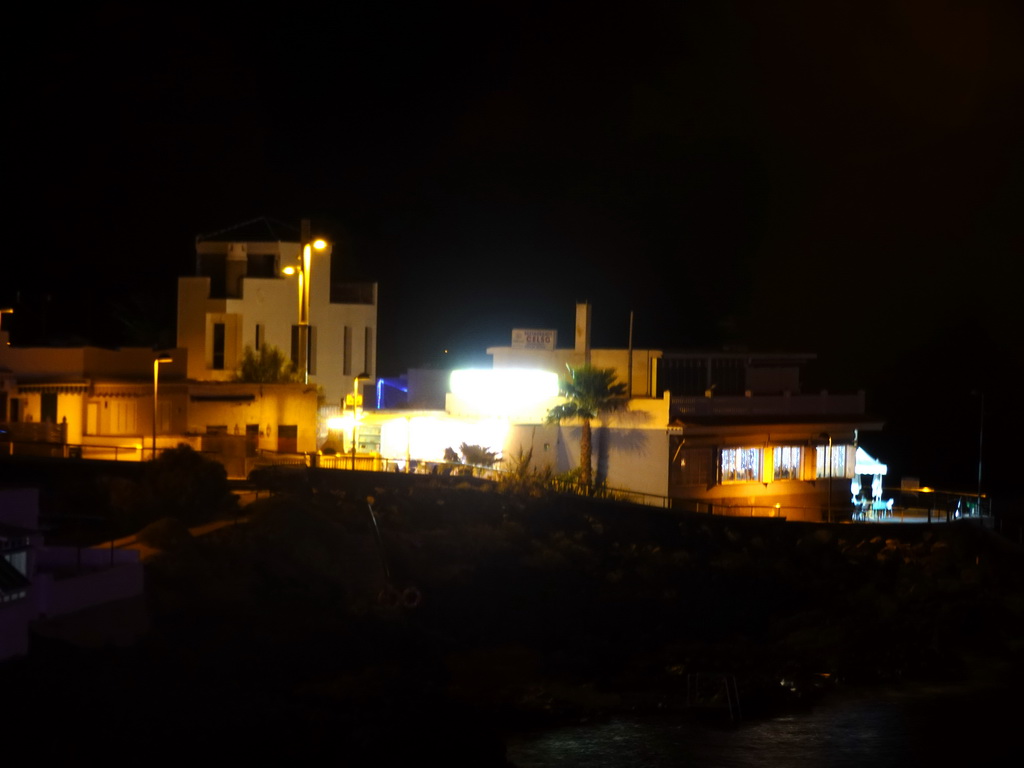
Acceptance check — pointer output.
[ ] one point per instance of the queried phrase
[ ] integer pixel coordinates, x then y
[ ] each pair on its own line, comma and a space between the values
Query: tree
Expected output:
268, 366
588, 392
179, 483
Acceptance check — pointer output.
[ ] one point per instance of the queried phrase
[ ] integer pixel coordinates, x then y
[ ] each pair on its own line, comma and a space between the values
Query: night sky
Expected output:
839, 178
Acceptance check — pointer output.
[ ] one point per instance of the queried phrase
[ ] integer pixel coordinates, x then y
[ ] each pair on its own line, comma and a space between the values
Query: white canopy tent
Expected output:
867, 465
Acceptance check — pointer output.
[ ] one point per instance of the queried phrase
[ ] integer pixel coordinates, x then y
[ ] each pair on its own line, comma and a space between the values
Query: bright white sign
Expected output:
500, 392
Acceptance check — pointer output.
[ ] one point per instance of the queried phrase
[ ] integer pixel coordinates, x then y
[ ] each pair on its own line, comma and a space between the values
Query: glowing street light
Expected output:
4, 311
156, 388
357, 401
303, 271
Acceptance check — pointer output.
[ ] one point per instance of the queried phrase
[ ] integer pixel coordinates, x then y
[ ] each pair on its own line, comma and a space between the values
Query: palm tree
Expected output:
588, 392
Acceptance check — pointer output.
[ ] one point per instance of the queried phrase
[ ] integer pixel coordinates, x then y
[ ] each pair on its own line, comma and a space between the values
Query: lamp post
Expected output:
827, 461
4, 311
303, 272
356, 402
830, 478
981, 433
156, 388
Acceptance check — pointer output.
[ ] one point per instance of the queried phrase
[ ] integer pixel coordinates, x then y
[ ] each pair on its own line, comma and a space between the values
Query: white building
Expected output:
727, 432
242, 296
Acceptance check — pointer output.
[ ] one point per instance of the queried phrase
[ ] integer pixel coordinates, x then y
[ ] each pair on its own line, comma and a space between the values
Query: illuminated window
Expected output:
787, 462
741, 465
838, 463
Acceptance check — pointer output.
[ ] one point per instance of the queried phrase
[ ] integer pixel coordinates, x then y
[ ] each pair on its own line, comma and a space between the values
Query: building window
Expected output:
691, 466
741, 465
48, 407
787, 462
259, 336
310, 348
368, 350
347, 352
218, 347
838, 463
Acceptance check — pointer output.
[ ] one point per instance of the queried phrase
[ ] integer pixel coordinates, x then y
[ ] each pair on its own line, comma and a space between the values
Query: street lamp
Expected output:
5, 311
303, 272
828, 464
356, 402
156, 387
981, 434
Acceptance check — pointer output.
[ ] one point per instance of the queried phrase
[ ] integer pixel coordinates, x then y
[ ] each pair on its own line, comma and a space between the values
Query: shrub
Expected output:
185, 485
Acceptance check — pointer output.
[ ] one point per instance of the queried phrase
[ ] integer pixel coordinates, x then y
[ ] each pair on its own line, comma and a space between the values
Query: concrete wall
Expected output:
629, 448
94, 576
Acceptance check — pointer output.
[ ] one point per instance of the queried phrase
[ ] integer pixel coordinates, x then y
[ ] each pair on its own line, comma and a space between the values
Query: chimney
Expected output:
583, 330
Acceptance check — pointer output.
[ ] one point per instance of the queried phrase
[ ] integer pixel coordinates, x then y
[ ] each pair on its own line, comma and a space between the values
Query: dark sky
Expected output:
844, 178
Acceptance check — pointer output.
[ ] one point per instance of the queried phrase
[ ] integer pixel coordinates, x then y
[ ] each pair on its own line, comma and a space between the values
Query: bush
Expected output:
523, 478
185, 485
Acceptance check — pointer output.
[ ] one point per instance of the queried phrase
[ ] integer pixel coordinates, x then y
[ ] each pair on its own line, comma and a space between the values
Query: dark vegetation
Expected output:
392, 619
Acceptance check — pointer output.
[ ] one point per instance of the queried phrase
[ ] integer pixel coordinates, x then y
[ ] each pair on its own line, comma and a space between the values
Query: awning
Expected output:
866, 465
54, 387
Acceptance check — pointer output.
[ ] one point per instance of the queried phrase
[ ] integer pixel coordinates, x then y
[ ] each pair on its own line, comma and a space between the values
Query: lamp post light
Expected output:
357, 401
981, 434
830, 478
156, 389
303, 272
828, 473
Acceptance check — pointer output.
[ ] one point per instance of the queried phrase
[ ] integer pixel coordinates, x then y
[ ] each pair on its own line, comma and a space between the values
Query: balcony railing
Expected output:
770, 405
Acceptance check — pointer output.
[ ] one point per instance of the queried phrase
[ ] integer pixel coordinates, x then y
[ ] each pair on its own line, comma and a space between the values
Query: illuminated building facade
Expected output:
744, 440
242, 296
99, 403
729, 433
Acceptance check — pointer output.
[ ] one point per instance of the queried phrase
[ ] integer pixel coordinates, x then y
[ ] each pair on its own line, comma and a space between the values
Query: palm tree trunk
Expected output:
585, 470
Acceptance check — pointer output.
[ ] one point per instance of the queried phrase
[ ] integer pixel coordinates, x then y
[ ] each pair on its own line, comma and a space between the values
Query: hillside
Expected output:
280, 633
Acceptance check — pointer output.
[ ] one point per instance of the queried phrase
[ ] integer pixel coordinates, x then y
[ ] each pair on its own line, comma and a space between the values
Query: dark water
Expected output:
906, 727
